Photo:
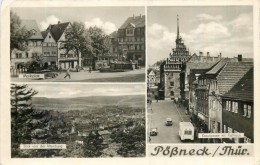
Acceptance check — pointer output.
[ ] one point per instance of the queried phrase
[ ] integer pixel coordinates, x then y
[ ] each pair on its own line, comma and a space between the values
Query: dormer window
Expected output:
33, 32
49, 36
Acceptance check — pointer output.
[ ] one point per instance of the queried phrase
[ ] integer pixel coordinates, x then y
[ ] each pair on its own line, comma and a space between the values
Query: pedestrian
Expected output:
77, 68
89, 69
60, 69
67, 73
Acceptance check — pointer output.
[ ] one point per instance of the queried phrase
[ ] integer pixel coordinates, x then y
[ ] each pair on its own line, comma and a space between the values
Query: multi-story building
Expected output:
34, 45
49, 49
238, 109
65, 59
129, 41
173, 65
212, 85
192, 68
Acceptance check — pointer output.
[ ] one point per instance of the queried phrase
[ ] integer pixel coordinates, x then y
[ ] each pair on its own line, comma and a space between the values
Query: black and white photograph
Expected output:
77, 44
200, 74
91, 121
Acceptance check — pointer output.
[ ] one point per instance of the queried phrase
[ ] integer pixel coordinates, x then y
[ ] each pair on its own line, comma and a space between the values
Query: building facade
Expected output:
214, 84
238, 110
129, 41
49, 49
34, 46
173, 65
64, 59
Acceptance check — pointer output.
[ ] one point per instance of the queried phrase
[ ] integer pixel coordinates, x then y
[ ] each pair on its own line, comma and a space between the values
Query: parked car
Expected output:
168, 122
153, 132
48, 73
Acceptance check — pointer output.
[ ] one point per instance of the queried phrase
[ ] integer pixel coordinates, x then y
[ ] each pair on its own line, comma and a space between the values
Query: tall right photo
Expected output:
200, 64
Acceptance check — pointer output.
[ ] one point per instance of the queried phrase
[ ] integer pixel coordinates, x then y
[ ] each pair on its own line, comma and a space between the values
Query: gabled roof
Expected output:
231, 74
151, 73
244, 89
201, 65
32, 26
220, 65
58, 29
44, 33
137, 21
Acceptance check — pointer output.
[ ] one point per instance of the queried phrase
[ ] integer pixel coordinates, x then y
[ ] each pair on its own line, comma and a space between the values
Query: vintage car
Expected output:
48, 73
153, 132
168, 122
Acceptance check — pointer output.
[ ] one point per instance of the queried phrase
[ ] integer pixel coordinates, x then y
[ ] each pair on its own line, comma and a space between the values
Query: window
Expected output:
224, 128
247, 111
49, 36
53, 53
229, 131
27, 55
213, 104
171, 83
235, 107
187, 132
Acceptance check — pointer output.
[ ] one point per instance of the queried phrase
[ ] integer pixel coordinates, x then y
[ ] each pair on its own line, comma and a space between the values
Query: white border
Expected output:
5, 85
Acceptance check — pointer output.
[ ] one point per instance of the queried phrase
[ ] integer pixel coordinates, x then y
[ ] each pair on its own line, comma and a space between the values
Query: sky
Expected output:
108, 18
228, 30
82, 90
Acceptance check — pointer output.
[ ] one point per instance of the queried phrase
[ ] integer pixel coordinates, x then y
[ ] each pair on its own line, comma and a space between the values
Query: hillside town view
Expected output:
89, 126
193, 93
77, 50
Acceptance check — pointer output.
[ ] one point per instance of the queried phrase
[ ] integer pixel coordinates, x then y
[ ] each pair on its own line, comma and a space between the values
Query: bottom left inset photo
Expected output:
77, 120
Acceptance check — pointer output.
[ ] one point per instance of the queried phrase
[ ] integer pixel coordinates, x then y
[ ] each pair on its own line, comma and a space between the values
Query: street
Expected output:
137, 75
156, 118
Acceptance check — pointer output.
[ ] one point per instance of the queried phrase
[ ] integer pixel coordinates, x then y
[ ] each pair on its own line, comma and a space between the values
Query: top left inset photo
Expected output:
77, 44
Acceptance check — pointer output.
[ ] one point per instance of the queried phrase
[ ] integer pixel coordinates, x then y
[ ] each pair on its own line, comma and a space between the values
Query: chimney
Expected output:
208, 54
201, 54
220, 55
58, 22
239, 57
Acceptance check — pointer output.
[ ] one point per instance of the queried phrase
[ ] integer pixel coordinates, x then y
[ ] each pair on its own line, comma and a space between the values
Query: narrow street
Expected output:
156, 116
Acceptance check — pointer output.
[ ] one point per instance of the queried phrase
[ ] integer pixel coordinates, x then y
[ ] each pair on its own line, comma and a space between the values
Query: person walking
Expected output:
60, 69
89, 69
67, 73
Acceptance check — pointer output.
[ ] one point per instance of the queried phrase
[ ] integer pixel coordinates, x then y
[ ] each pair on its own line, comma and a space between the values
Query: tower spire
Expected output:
178, 33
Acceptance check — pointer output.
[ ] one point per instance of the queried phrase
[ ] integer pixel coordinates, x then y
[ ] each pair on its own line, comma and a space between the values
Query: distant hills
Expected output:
81, 103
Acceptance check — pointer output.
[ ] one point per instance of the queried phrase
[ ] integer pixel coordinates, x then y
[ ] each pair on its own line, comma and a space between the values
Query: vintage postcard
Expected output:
130, 82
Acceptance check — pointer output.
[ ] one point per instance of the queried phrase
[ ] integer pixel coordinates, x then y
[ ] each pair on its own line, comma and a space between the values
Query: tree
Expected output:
93, 145
77, 40
18, 35
27, 124
100, 41
132, 141
35, 63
